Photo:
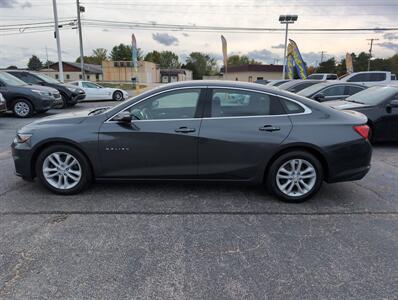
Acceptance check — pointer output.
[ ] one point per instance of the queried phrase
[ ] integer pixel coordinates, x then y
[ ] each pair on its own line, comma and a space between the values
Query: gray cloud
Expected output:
165, 39
263, 55
390, 36
26, 4
311, 58
389, 45
7, 3
280, 46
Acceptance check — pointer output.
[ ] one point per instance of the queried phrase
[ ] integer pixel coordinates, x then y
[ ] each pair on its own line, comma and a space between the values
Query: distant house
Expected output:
123, 71
252, 72
72, 71
173, 75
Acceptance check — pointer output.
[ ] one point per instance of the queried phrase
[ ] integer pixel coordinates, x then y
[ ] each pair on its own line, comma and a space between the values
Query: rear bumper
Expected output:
348, 161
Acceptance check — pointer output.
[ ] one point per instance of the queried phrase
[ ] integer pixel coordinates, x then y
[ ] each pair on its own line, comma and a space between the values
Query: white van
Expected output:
371, 78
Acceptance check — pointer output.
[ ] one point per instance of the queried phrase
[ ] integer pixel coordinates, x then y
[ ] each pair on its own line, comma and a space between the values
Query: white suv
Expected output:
371, 78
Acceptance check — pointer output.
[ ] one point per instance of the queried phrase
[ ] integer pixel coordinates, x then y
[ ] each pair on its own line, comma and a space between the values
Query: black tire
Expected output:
64, 103
22, 108
83, 165
117, 96
304, 157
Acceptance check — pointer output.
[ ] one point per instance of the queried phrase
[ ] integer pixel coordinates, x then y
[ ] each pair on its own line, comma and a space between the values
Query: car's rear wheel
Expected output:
22, 108
117, 96
295, 176
63, 169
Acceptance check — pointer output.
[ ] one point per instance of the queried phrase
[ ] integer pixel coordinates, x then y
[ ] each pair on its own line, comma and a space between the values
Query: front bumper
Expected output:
3, 107
44, 103
349, 161
77, 97
21, 154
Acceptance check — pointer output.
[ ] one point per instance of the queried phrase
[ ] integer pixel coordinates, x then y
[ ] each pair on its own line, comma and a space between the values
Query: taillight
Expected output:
363, 130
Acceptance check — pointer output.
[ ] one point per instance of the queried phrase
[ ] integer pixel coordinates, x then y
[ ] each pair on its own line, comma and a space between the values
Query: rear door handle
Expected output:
185, 130
269, 128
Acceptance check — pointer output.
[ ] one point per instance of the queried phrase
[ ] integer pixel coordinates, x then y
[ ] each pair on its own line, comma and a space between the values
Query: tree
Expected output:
169, 60
241, 60
123, 52
201, 64
153, 56
34, 63
166, 59
328, 66
98, 56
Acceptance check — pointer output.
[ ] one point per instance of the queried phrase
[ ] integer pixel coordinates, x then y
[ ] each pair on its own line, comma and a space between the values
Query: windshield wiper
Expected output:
355, 101
98, 111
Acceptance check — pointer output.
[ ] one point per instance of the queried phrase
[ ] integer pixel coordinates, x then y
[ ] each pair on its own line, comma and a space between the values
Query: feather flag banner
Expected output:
295, 55
224, 52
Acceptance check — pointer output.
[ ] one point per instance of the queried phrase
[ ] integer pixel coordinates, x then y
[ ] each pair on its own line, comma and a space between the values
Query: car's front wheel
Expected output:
63, 169
22, 108
295, 176
117, 96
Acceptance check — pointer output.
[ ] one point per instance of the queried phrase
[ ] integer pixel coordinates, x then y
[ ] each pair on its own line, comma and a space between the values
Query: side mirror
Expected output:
123, 117
394, 103
319, 97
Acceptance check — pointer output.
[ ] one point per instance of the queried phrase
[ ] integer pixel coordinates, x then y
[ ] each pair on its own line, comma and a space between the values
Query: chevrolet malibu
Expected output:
202, 130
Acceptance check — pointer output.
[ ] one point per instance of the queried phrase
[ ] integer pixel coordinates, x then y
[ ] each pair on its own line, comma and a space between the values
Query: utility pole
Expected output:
322, 54
47, 57
56, 33
370, 50
79, 26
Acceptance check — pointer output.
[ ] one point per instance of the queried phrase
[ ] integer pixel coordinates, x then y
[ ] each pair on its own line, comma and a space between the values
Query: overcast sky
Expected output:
16, 48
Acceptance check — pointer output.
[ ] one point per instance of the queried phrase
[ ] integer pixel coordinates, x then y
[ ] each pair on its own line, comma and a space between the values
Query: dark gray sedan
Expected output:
331, 90
201, 130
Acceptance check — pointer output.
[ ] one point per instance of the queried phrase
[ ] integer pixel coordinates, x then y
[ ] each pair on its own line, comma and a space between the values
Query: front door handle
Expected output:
269, 128
185, 130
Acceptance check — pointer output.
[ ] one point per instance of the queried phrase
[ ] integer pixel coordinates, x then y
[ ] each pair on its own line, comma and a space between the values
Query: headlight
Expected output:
72, 89
41, 93
22, 138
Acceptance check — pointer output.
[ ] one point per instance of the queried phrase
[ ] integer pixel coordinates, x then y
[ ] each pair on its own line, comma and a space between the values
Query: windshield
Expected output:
309, 91
10, 80
374, 95
315, 76
46, 78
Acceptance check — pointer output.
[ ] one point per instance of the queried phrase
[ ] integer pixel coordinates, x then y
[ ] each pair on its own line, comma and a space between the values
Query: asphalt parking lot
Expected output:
197, 241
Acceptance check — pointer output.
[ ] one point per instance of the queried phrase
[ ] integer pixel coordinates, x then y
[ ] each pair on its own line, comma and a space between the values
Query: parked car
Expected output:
297, 85
95, 91
191, 131
24, 99
380, 105
277, 82
323, 76
70, 94
261, 81
3, 106
331, 90
371, 78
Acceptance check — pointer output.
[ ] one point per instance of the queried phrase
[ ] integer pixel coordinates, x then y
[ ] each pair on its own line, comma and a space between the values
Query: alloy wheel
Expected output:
296, 177
22, 109
62, 170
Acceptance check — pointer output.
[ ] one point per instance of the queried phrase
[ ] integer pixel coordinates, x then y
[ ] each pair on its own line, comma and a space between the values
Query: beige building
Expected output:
252, 72
72, 71
174, 75
122, 71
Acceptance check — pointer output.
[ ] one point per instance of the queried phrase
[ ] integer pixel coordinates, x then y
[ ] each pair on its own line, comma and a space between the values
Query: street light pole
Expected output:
286, 19
79, 25
56, 33
370, 50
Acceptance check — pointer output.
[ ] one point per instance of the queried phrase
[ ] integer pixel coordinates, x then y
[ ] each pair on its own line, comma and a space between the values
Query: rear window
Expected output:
315, 76
291, 107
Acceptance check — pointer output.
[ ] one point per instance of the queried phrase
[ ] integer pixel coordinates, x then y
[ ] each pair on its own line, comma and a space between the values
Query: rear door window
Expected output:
377, 76
351, 90
359, 78
239, 103
334, 91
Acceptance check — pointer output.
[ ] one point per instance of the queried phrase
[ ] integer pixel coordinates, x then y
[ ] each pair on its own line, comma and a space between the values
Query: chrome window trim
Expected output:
306, 111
